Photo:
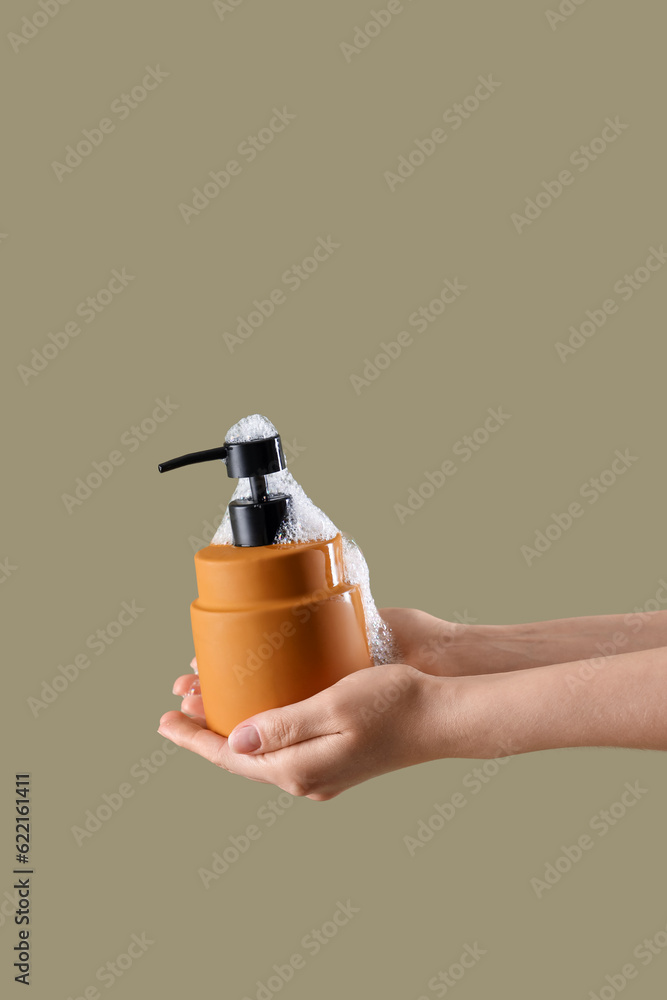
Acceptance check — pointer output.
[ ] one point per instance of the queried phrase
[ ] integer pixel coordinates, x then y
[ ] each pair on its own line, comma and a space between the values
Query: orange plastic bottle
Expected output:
273, 623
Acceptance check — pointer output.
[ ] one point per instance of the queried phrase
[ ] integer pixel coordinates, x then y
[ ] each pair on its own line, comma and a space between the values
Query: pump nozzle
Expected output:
255, 521
193, 458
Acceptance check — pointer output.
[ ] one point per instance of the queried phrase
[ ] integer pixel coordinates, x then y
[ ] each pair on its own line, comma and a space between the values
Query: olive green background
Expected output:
458, 556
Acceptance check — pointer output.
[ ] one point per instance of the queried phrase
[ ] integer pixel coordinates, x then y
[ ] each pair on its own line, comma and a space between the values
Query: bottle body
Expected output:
273, 625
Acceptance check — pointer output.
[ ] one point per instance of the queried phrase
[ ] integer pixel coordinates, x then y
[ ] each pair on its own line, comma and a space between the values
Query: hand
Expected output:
373, 721
384, 718
429, 644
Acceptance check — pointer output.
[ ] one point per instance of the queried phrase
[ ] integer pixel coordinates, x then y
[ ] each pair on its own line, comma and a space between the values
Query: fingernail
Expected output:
245, 740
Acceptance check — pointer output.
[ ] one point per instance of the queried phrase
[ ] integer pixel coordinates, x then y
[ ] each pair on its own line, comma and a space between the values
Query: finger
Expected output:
192, 704
192, 734
283, 727
186, 684
170, 717
193, 664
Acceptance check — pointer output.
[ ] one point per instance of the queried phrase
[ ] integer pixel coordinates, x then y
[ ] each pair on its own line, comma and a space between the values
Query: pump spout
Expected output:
193, 458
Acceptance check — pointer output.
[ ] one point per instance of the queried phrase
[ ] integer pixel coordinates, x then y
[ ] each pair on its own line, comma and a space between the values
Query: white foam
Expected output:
307, 523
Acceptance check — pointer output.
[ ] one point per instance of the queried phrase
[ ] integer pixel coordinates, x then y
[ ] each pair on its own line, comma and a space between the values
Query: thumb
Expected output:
282, 727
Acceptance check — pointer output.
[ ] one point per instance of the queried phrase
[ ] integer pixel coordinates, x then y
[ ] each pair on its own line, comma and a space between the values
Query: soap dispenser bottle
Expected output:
274, 623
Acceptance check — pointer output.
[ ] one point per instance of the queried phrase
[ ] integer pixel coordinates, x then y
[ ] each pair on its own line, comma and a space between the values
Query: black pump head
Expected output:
254, 521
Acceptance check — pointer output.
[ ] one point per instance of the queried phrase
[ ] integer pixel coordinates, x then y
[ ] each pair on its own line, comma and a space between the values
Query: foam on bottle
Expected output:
307, 523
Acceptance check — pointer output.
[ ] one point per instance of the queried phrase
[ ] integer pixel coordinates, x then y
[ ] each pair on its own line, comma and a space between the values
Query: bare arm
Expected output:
614, 701
452, 649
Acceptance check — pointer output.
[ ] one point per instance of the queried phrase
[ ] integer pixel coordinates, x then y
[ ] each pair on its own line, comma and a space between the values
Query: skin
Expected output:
463, 691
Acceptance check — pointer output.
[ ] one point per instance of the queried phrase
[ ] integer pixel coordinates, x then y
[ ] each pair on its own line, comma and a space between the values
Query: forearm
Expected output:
614, 701
477, 649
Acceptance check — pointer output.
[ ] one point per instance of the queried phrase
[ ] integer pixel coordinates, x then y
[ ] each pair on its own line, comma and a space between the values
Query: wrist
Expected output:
454, 717
614, 701
481, 716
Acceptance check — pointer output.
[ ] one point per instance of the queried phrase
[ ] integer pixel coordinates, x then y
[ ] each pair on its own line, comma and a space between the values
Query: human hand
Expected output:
375, 720
383, 718
432, 645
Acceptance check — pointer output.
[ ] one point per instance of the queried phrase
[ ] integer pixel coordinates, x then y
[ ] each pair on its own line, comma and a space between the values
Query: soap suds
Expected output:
307, 523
